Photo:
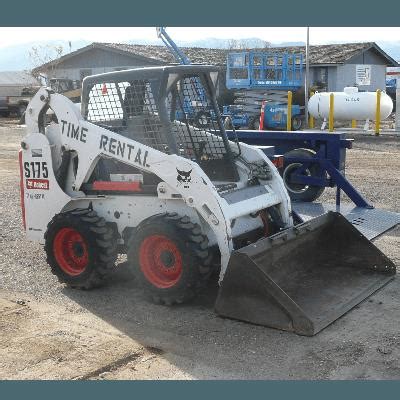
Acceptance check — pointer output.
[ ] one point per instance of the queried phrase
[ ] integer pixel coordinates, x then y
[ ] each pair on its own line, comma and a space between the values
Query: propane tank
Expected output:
349, 104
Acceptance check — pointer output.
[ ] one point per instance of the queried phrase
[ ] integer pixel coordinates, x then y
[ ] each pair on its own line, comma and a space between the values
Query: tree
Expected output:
244, 44
45, 54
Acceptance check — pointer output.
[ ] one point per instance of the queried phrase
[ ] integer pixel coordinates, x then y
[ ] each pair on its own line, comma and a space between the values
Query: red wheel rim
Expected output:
160, 261
71, 251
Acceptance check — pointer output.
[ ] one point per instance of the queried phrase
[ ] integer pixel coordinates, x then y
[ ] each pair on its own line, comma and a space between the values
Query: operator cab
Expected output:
171, 109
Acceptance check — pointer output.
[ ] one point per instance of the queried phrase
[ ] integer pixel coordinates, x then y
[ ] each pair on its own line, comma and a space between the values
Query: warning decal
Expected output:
42, 184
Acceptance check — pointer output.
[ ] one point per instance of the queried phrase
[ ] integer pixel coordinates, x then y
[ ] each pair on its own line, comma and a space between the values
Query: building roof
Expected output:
319, 55
17, 78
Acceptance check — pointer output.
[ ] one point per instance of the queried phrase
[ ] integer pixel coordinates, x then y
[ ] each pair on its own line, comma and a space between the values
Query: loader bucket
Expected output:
304, 278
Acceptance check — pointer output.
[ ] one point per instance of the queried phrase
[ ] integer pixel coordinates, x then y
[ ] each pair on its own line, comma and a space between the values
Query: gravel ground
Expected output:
190, 341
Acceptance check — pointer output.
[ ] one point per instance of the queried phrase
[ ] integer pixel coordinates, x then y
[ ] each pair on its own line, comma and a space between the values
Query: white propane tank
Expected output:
349, 104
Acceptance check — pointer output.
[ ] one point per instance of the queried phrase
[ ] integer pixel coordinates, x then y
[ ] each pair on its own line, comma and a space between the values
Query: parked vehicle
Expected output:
275, 117
17, 104
259, 78
391, 90
68, 87
182, 203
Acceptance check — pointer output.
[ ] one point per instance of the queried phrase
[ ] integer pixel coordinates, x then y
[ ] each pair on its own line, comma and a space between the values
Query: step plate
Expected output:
370, 222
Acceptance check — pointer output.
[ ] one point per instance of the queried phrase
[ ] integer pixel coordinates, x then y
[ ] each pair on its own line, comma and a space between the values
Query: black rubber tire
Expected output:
193, 248
302, 193
21, 110
297, 123
102, 247
199, 119
254, 123
22, 119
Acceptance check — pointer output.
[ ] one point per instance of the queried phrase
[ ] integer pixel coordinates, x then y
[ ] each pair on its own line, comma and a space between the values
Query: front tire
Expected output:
169, 256
81, 248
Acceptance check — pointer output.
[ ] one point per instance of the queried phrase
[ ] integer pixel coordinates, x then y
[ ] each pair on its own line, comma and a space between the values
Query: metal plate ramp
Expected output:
370, 222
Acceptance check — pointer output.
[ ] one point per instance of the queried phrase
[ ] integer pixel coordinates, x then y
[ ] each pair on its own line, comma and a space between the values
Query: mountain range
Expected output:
17, 57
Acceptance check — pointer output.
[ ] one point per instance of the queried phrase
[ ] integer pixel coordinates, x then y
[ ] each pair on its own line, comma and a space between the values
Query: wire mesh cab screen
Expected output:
186, 117
127, 108
196, 125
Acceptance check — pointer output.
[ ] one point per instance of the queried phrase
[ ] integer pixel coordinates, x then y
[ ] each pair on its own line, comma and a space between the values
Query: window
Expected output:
84, 73
323, 75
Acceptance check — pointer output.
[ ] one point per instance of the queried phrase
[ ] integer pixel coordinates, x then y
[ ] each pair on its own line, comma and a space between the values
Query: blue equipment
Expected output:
328, 152
264, 70
313, 161
179, 55
275, 116
391, 86
238, 118
319, 164
251, 70
188, 111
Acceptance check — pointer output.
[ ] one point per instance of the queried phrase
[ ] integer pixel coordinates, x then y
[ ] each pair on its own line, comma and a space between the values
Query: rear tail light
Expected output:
21, 188
277, 161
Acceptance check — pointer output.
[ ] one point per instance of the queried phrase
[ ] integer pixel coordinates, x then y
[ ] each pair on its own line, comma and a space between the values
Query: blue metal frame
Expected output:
330, 149
275, 115
183, 59
179, 55
330, 154
264, 70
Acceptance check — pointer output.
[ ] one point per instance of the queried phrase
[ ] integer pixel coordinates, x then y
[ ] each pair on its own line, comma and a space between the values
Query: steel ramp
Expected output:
371, 222
303, 278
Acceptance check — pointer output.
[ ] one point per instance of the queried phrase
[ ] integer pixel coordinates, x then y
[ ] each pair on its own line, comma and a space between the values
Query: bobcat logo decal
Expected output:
184, 178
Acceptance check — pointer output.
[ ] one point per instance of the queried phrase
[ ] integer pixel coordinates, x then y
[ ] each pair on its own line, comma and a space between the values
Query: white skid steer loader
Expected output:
145, 168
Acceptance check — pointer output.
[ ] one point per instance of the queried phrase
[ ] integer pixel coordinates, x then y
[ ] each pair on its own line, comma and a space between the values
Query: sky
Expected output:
14, 35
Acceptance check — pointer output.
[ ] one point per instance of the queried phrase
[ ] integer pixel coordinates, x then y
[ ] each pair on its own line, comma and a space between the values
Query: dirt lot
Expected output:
49, 331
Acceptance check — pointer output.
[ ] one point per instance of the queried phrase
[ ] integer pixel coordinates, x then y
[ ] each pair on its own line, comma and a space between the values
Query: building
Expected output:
12, 82
332, 67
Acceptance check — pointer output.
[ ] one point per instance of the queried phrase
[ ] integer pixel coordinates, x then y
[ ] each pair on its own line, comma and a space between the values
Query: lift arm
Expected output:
172, 47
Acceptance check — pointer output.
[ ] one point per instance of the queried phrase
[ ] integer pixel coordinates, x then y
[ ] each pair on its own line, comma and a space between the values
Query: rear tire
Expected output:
81, 248
169, 256
301, 192
297, 123
22, 119
21, 110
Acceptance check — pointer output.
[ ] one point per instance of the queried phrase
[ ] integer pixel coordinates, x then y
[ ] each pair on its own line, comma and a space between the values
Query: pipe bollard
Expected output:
311, 122
289, 112
331, 111
353, 123
397, 118
378, 112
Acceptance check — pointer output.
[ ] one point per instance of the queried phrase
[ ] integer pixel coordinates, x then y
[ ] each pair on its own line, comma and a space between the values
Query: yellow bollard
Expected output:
311, 122
289, 111
378, 112
353, 123
331, 111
